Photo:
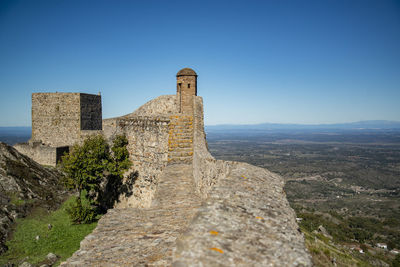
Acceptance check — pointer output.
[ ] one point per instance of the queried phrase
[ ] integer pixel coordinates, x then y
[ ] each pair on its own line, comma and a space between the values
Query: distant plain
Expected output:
347, 180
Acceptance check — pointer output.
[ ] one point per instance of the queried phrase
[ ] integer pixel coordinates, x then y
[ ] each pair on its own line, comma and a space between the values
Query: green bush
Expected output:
90, 165
79, 213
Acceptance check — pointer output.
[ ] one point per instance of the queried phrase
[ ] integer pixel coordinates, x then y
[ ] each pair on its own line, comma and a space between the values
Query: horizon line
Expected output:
245, 124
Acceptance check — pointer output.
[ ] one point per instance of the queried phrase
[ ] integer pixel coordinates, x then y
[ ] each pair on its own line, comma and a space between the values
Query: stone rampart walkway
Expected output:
143, 237
245, 221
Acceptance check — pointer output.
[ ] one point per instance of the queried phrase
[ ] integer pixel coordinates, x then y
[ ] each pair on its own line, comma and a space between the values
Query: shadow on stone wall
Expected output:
114, 188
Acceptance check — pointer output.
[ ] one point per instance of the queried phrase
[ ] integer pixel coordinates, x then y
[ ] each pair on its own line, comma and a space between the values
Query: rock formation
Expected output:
24, 184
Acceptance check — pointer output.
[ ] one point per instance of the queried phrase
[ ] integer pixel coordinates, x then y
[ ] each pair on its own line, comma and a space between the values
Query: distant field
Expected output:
13, 135
378, 136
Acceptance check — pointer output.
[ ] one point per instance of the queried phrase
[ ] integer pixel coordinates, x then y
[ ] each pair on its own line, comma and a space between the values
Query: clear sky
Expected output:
258, 61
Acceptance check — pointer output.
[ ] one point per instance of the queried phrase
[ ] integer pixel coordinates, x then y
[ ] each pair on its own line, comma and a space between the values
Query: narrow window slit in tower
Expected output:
188, 85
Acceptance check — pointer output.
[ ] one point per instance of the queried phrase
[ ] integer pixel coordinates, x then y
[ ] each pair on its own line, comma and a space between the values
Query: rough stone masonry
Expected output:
187, 208
59, 120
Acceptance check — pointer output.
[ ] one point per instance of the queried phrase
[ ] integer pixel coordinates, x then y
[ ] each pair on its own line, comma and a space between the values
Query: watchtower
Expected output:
186, 88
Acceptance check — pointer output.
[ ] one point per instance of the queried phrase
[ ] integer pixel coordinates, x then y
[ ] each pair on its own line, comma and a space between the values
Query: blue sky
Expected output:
258, 61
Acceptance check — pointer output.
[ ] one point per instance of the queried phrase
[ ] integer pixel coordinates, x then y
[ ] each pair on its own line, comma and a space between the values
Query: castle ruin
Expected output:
63, 119
60, 120
186, 208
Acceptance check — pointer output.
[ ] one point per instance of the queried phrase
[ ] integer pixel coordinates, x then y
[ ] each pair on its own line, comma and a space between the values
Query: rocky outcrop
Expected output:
24, 184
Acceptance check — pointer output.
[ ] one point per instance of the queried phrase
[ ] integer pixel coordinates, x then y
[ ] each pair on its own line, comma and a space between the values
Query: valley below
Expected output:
343, 185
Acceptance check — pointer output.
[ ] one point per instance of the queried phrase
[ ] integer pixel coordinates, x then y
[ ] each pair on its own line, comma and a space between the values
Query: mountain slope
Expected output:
24, 184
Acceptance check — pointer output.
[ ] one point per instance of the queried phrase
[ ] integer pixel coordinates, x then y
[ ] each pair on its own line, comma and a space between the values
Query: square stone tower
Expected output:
62, 119
186, 89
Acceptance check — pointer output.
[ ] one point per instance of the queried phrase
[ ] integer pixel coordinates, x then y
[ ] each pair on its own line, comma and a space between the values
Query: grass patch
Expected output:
16, 200
62, 239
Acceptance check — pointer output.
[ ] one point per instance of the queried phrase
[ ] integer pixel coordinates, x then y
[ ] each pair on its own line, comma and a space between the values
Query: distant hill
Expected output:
13, 135
361, 125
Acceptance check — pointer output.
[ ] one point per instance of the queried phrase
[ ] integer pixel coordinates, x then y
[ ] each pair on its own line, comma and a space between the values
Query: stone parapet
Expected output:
206, 170
246, 220
42, 154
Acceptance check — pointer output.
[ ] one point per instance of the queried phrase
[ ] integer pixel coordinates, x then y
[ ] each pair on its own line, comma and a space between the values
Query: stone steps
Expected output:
180, 154
143, 237
180, 141
187, 145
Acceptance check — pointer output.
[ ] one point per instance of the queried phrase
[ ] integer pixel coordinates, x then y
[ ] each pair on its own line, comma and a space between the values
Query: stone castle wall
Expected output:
147, 132
206, 169
163, 106
42, 154
148, 147
148, 151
